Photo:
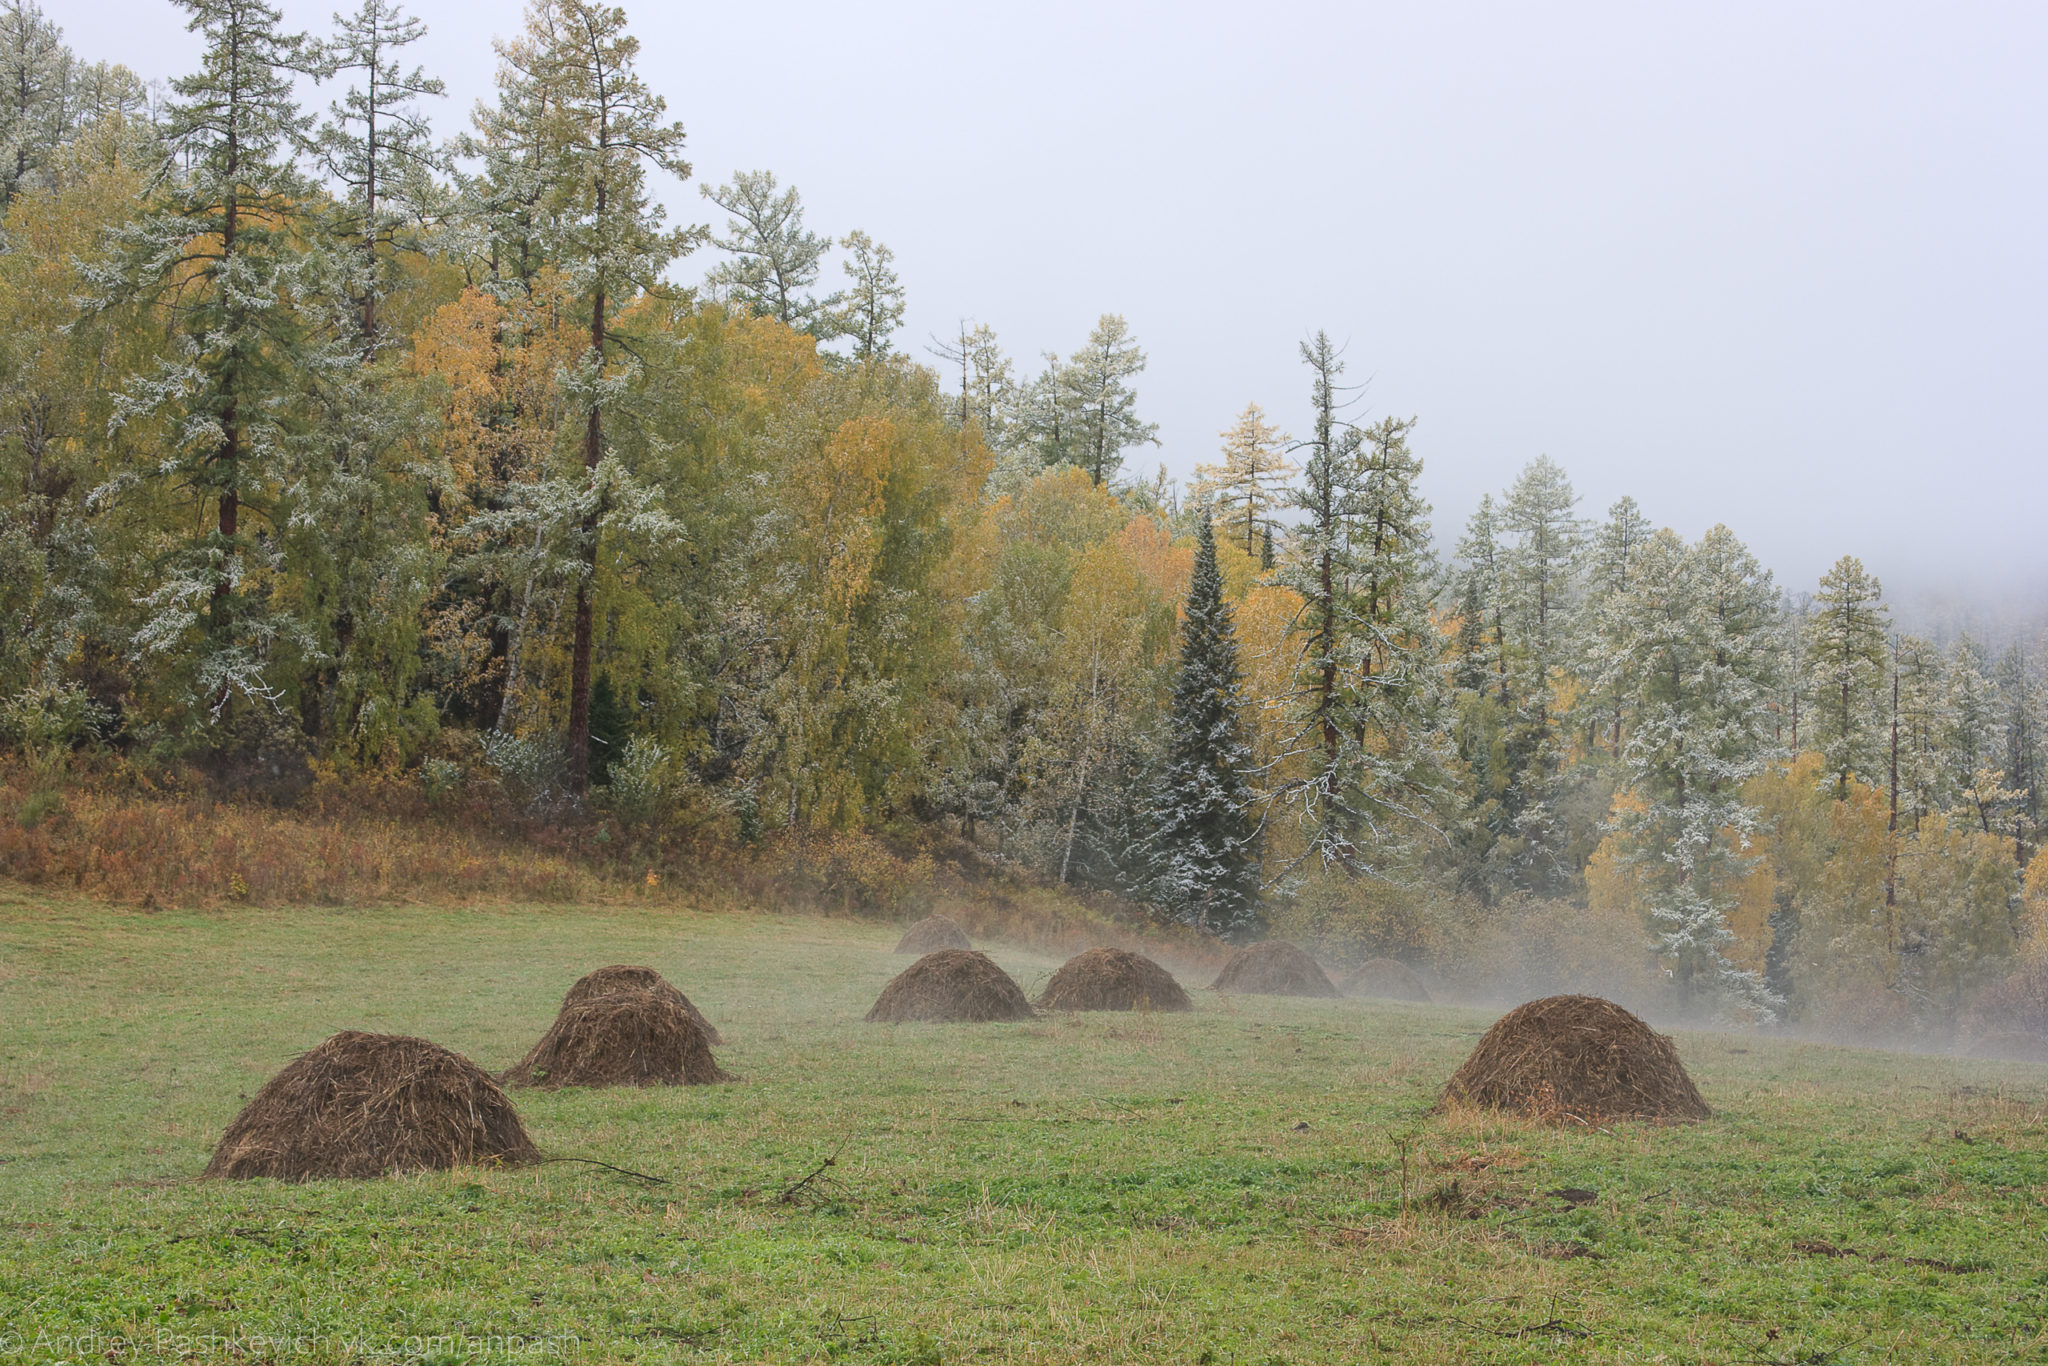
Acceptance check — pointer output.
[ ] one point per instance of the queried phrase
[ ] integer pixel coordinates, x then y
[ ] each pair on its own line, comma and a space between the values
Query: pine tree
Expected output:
1846, 669
775, 258
1204, 840
1540, 577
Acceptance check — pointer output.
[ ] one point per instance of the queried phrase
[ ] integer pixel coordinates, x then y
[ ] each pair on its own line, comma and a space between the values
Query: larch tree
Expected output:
1541, 566
873, 302
222, 256
607, 129
1846, 669
1247, 483
775, 259
1105, 405
1317, 568
1972, 740
1204, 837
1617, 546
377, 144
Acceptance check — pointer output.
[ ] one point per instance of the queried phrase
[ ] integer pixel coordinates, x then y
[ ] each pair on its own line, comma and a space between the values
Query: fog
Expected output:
1778, 266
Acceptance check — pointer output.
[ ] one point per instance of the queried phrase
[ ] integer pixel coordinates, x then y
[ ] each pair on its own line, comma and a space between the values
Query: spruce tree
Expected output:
1204, 838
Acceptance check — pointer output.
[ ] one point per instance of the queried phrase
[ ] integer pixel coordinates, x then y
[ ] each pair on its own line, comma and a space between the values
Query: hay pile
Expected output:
1110, 979
1577, 1058
933, 933
2011, 1046
620, 976
626, 1037
1273, 968
366, 1104
957, 985
1386, 980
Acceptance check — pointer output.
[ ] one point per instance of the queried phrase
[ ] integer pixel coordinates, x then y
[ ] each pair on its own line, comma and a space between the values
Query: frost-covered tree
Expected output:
1104, 403
37, 103
606, 130
1246, 484
377, 144
1698, 657
1846, 672
1616, 548
1204, 836
873, 300
1540, 573
223, 255
775, 259
1973, 727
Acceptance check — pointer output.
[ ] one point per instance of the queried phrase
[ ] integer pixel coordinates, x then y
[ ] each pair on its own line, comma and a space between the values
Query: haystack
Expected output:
1387, 980
366, 1104
1273, 967
1110, 979
619, 976
1575, 1058
626, 1037
957, 985
932, 933
2011, 1046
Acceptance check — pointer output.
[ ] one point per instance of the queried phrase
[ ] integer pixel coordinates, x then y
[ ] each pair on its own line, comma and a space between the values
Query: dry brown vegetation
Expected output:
361, 1105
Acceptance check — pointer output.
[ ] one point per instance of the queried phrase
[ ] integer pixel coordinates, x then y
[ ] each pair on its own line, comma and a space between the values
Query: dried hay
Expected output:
958, 985
1575, 1058
620, 976
1386, 979
361, 1105
2011, 1046
1273, 967
625, 1037
1111, 979
932, 933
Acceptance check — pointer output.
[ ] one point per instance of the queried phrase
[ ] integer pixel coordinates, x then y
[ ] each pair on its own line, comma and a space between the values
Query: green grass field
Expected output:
1258, 1182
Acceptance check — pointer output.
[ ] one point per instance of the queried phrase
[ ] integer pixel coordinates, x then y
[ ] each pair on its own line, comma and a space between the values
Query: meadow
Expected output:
1258, 1182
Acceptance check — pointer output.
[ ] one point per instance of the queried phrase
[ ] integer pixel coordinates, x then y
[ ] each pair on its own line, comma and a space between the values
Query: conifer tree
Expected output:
1698, 656
1247, 484
1846, 669
376, 143
224, 258
606, 129
874, 302
1204, 840
776, 260
1973, 732
1105, 417
36, 114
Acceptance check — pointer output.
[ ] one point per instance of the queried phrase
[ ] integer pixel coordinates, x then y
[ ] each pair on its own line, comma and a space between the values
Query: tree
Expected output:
776, 261
606, 129
1973, 731
1204, 840
1697, 656
1846, 666
1247, 484
1105, 421
376, 143
36, 72
223, 258
874, 304
1617, 547
1540, 575
1048, 420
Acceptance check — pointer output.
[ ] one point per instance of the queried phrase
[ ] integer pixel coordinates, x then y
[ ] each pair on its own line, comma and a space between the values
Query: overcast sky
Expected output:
1776, 265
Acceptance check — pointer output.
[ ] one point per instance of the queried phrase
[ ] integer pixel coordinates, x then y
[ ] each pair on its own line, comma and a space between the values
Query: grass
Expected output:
1258, 1182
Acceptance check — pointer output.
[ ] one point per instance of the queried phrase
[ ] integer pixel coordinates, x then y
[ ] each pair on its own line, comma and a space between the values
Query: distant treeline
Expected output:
337, 449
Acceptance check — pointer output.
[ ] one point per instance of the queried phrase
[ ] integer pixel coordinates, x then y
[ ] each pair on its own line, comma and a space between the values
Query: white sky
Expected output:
1777, 265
